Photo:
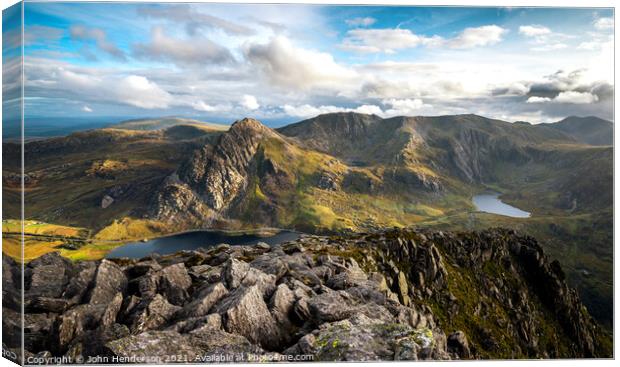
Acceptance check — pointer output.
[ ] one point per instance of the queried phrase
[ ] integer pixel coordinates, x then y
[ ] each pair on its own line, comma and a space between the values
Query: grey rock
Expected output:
244, 312
233, 272
109, 280
205, 299
174, 283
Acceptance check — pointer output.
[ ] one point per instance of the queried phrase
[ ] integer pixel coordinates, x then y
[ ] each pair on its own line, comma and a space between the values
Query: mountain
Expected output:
588, 130
335, 173
388, 295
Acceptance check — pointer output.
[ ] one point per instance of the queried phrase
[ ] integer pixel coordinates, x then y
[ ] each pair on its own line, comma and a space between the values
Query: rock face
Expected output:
391, 295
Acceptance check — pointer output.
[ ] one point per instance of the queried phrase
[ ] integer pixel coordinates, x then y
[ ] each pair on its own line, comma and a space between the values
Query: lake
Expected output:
490, 203
194, 240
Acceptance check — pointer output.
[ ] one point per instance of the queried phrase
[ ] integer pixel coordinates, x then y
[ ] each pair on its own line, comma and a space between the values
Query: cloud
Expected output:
194, 20
389, 40
535, 99
533, 30
360, 22
576, 97
477, 37
603, 24
97, 35
249, 102
289, 66
87, 109
133, 90
40, 34
197, 50
307, 110
404, 107
384, 40
204, 107
571, 97
550, 47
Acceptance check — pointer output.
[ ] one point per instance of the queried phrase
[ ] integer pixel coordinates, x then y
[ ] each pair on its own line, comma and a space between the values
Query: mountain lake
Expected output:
194, 240
490, 203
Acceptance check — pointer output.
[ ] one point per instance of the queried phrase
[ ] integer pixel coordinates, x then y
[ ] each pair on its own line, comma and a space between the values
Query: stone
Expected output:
234, 271
153, 347
244, 312
152, 314
109, 280
205, 299
76, 321
174, 283
111, 310
331, 306
270, 264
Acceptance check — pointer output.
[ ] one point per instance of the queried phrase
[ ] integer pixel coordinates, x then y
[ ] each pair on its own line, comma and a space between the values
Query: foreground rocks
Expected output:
393, 295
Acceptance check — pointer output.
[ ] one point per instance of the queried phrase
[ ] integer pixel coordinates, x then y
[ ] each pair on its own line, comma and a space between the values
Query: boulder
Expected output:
244, 312
331, 306
174, 283
109, 280
153, 347
76, 321
152, 314
233, 272
205, 299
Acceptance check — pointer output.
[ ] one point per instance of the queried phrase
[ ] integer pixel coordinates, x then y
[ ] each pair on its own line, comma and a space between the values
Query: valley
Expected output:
340, 173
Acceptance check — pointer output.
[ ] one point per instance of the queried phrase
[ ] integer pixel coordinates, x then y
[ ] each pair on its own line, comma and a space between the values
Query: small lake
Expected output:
490, 203
195, 240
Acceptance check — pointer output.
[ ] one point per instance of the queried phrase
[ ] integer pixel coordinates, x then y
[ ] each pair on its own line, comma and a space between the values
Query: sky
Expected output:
285, 63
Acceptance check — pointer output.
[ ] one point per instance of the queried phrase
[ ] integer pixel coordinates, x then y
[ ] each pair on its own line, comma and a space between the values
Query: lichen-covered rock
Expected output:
109, 280
361, 338
155, 347
205, 299
245, 313
152, 314
174, 283
388, 295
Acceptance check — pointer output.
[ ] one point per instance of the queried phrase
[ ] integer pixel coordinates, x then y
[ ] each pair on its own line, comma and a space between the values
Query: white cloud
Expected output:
535, 99
575, 97
604, 23
533, 30
87, 109
385, 40
249, 102
307, 110
404, 107
97, 35
133, 90
550, 47
389, 40
193, 19
477, 37
571, 97
360, 22
287, 65
197, 50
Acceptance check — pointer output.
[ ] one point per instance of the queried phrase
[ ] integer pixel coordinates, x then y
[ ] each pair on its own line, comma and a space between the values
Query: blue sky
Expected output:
282, 63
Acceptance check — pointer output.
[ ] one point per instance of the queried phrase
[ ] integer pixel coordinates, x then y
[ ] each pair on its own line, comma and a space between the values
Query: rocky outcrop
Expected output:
390, 295
219, 175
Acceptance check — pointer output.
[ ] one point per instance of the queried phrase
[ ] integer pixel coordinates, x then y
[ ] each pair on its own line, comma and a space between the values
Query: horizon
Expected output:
43, 128
521, 64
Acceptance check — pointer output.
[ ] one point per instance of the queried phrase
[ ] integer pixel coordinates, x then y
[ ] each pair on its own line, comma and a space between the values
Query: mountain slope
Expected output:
587, 130
388, 295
